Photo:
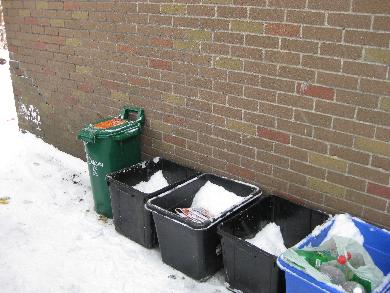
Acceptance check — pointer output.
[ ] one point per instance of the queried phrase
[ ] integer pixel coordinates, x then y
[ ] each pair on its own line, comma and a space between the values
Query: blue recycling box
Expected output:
376, 242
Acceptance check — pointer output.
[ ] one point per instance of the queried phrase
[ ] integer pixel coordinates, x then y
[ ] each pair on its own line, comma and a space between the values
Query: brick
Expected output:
328, 162
358, 99
324, 63
42, 5
371, 6
315, 91
337, 80
83, 69
295, 101
272, 182
344, 20
229, 38
266, 14
335, 109
293, 177
282, 57
173, 99
247, 26
171, 139
382, 133
326, 187
374, 117
378, 190
367, 38
295, 127
377, 55
241, 127
256, 166
321, 33
232, 12
385, 104
305, 17
333, 136
341, 51
295, 4
173, 9
80, 15
291, 152
369, 174
353, 127
258, 143
309, 144
243, 78
73, 42
285, 30
277, 84
262, 41
306, 194
201, 10
229, 112
275, 110
372, 146
197, 35
296, 73
343, 205
272, 159
228, 63
260, 68
349, 155
375, 86
273, 135
365, 200
246, 53
381, 163
365, 69
382, 23
332, 5
160, 64
259, 119
346, 180
377, 217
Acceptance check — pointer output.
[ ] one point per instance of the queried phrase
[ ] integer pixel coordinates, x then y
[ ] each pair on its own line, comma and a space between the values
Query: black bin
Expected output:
190, 247
131, 219
247, 267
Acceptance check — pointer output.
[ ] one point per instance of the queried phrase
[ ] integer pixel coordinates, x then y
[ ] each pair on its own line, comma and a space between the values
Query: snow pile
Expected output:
51, 240
215, 199
156, 182
343, 226
269, 239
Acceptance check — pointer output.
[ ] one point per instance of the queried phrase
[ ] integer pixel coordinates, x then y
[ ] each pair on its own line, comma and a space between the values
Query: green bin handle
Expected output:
128, 133
125, 114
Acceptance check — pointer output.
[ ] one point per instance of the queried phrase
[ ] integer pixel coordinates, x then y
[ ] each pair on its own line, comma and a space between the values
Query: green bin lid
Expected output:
117, 128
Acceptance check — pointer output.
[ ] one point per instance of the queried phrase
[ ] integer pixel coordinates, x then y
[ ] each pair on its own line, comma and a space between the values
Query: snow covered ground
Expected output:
51, 240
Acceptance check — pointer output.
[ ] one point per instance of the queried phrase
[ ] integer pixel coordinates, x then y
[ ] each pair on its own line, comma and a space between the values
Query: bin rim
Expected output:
303, 276
111, 178
207, 224
130, 128
242, 241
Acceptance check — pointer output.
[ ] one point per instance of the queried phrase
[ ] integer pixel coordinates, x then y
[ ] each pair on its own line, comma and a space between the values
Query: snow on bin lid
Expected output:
110, 123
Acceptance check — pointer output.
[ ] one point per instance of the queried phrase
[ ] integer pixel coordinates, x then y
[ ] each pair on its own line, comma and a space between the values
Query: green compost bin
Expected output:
111, 144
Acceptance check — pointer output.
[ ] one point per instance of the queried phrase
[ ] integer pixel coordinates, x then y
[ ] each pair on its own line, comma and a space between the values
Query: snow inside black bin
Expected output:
250, 269
190, 247
131, 219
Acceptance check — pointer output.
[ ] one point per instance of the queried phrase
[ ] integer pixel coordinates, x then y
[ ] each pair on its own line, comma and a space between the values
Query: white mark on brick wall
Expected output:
31, 114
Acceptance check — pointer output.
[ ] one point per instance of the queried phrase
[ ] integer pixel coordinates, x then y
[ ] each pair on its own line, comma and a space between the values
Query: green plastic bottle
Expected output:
316, 258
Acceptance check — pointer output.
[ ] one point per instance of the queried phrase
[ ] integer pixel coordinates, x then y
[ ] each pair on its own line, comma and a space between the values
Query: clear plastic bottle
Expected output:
334, 273
353, 287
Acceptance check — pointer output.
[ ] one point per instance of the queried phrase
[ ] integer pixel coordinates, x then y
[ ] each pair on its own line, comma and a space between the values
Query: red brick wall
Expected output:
291, 94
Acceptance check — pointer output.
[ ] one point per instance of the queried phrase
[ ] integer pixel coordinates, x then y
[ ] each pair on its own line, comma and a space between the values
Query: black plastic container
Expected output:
190, 247
247, 267
131, 219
